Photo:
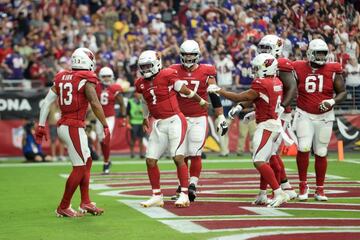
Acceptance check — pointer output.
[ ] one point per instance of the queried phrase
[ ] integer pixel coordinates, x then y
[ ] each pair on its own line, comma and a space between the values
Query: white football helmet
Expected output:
318, 51
271, 44
189, 53
264, 65
149, 63
106, 75
83, 58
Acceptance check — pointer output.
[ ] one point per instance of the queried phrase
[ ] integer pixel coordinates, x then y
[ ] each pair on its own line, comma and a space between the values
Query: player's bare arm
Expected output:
91, 96
120, 101
247, 96
339, 88
289, 84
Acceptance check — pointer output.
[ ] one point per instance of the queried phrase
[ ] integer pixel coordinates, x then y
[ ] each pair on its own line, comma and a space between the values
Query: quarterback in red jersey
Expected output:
108, 93
266, 93
318, 80
197, 77
75, 89
159, 88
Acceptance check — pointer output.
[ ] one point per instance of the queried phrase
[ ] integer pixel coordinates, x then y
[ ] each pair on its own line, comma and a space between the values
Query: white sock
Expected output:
194, 180
286, 185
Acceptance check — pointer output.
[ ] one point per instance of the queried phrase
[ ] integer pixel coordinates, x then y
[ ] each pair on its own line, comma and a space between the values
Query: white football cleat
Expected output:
183, 201
280, 197
320, 195
154, 201
303, 192
291, 193
261, 198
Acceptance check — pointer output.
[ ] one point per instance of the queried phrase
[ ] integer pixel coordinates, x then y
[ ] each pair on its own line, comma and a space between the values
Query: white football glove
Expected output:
235, 110
249, 117
326, 105
213, 88
221, 126
280, 110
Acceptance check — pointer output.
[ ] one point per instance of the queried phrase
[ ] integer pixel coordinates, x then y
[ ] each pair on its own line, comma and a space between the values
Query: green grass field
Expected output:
31, 192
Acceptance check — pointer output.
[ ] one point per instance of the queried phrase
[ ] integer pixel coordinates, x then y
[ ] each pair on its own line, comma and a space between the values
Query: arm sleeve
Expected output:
337, 68
45, 106
285, 65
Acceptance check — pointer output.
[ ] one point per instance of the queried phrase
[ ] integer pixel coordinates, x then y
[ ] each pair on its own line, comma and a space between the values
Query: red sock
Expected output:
282, 168
84, 184
263, 183
106, 152
268, 174
183, 176
195, 167
274, 164
186, 161
302, 160
320, 169
154, 177
72, 183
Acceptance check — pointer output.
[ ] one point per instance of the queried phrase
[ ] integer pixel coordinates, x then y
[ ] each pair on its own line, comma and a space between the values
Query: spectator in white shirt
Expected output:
353, 73
158, 25
224, 67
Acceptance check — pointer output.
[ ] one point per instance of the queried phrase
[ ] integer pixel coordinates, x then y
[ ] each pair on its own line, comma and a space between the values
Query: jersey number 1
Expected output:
311, 81
66, 100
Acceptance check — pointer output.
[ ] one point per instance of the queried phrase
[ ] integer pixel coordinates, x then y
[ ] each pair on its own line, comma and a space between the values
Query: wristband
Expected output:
202, 102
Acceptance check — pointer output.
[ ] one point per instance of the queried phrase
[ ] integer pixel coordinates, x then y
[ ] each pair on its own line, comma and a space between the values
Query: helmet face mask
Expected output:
271, 44
264, 65
264, 48
189, 59
106, 75
149, 63
189, 53
317, 52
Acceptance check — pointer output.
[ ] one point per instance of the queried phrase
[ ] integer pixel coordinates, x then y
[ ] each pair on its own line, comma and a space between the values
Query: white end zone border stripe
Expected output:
244, 236
153, 212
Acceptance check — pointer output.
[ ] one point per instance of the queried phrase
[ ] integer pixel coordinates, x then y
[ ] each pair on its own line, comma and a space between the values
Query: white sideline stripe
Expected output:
264, 211
321, 209
136, 162
185, 226
153, 212
245, 236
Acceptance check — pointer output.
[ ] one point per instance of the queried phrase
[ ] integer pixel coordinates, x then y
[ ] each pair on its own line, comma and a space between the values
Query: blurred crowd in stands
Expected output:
37, 37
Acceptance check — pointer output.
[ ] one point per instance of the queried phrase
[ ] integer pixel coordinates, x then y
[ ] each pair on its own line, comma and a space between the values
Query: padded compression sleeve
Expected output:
215, 100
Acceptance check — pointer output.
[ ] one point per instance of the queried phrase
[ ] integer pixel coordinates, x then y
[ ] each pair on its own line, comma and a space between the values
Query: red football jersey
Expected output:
270, 91
285, 65
159, 93
70, 87
196, 81
107, 96
315, 85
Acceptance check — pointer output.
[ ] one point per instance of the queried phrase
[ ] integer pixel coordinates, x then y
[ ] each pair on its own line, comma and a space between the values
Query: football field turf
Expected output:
31, 192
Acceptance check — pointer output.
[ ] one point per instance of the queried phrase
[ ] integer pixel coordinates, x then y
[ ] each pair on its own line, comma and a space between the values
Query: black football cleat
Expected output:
177, 194
192, 192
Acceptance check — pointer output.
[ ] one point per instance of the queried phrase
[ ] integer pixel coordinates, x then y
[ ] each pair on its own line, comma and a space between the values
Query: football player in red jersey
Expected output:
108, 93
318, 80
266, 93
273, 45
159, 88
197, 77
75, 89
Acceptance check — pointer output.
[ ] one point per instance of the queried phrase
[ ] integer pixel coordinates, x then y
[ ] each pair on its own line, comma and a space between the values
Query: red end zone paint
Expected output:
312, 236
247, 223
